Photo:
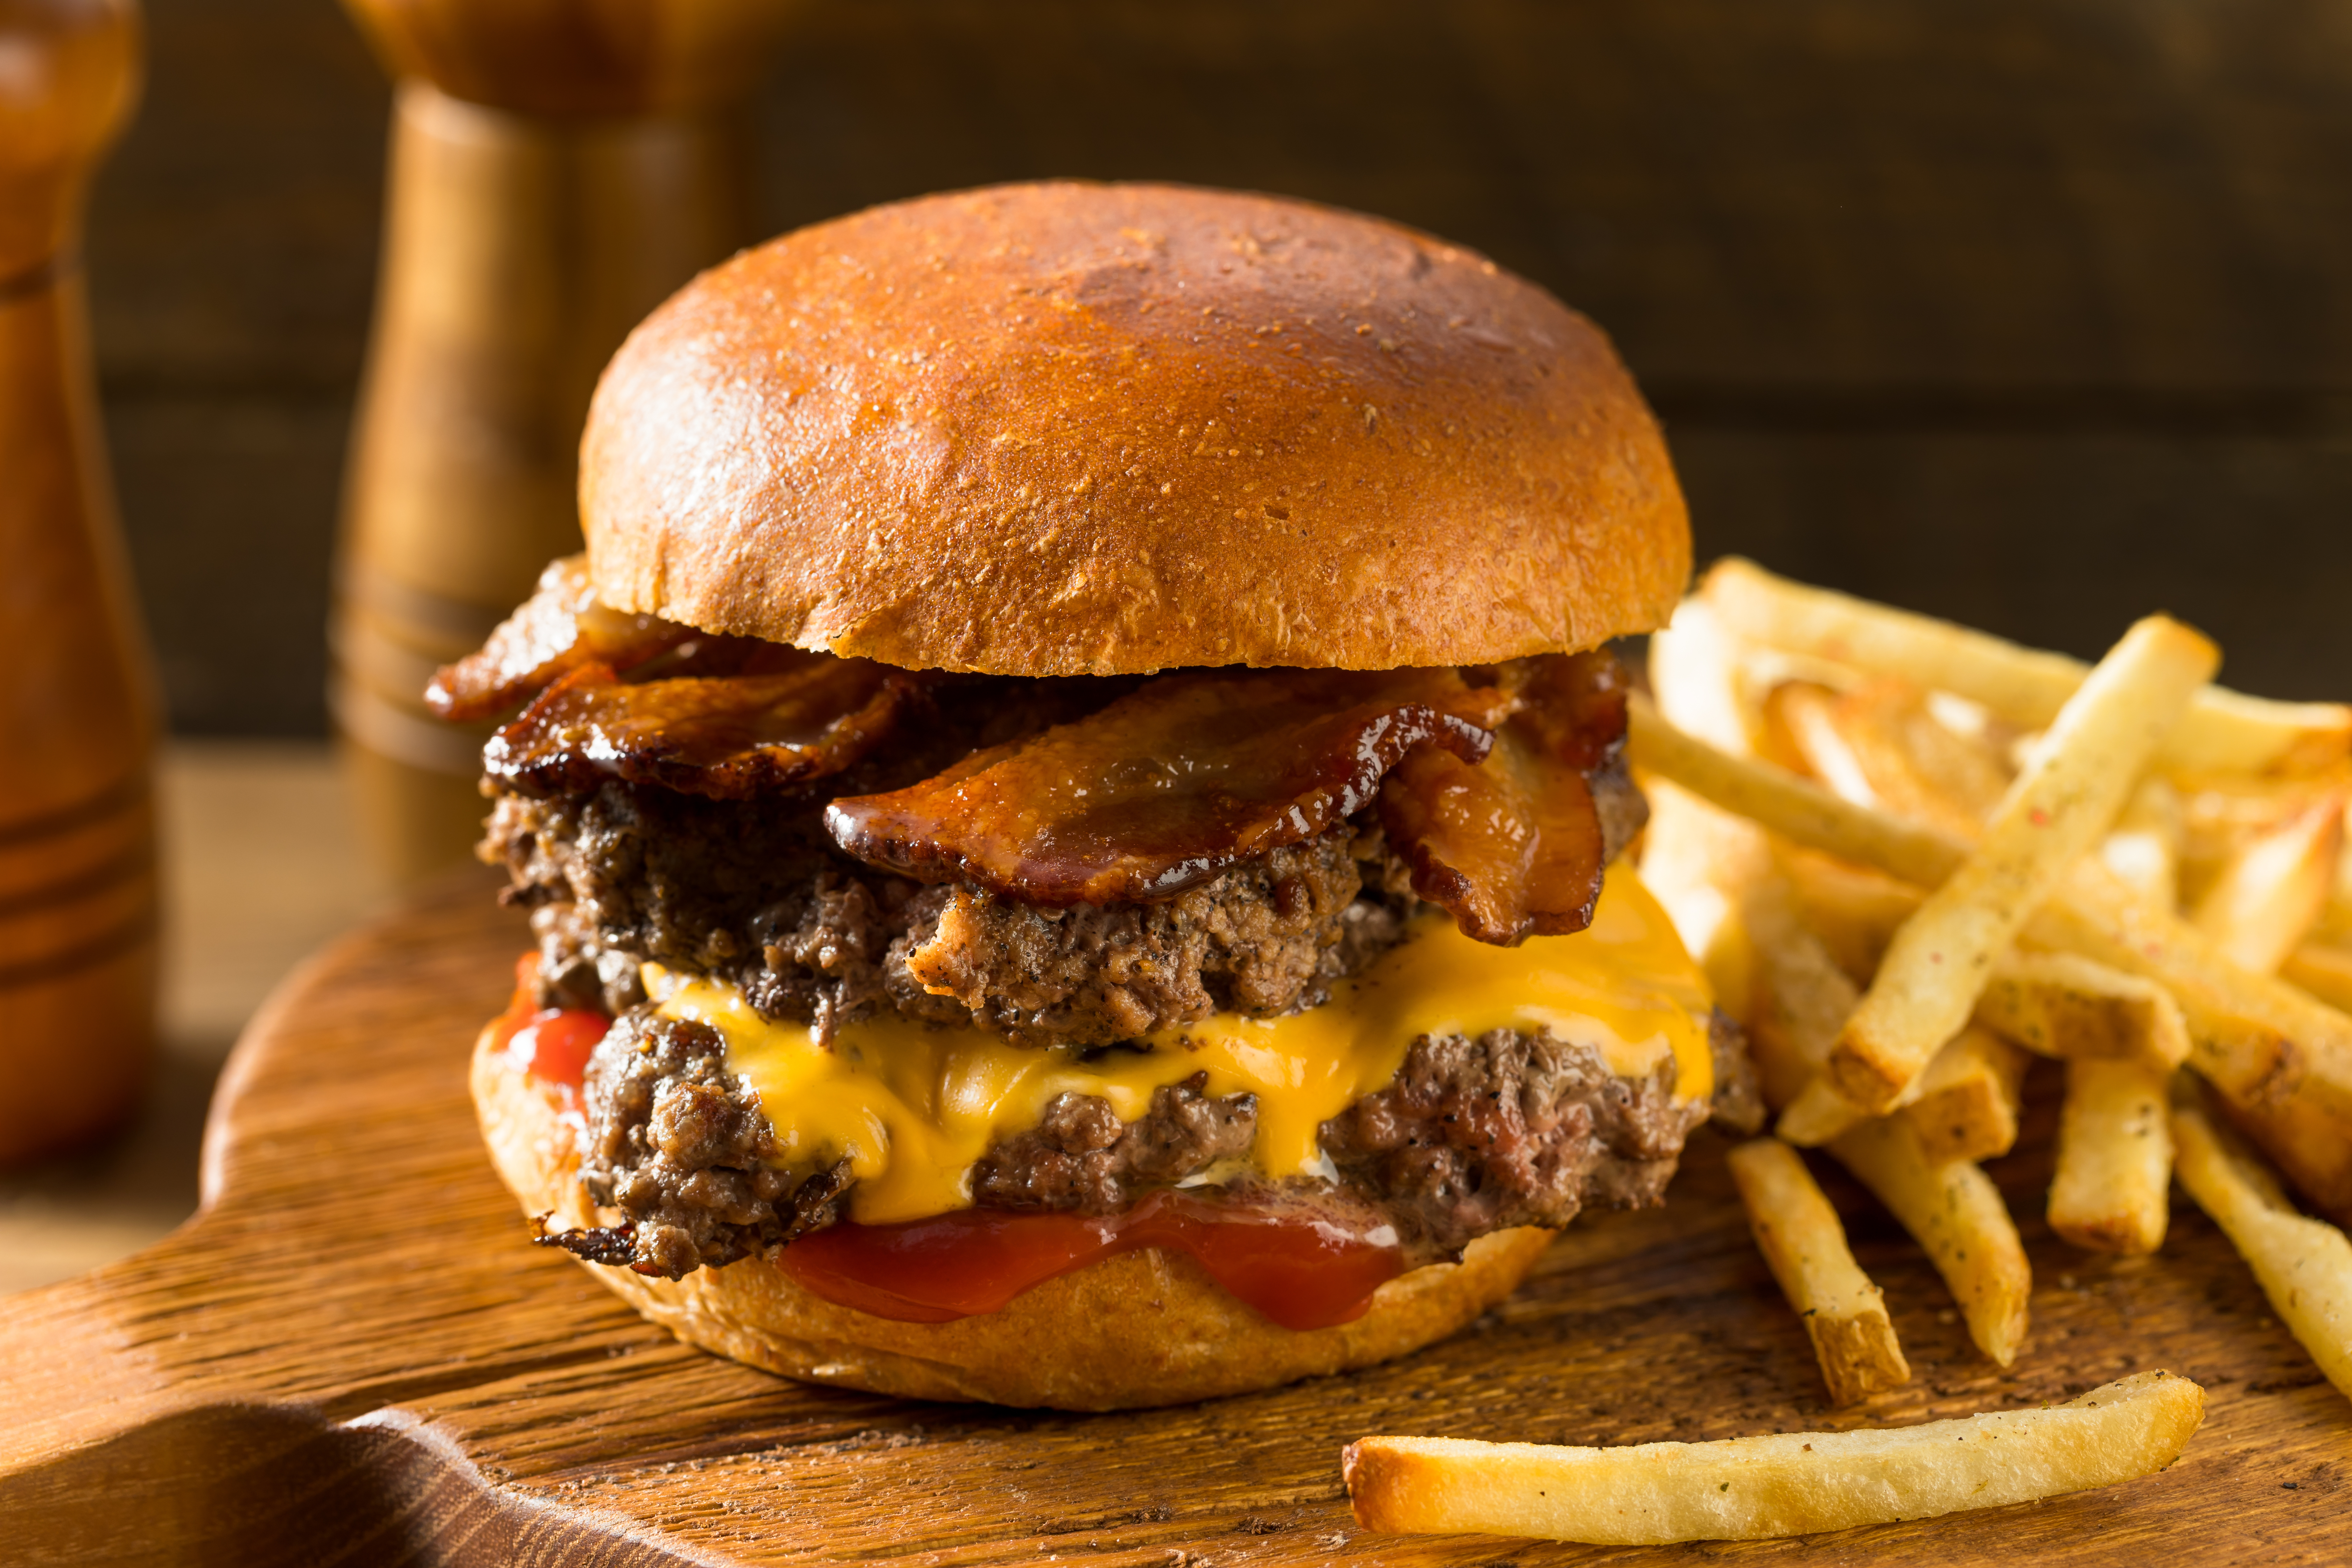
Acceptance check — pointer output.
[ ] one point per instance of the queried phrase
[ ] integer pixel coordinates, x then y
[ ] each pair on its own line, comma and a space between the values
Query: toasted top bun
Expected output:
1140, 1329
1066, 428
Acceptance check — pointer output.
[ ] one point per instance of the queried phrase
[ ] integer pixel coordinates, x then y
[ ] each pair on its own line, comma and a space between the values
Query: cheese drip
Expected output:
915, 1107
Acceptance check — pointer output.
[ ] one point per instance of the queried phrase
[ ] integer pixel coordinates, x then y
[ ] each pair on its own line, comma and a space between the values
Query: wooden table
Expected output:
354, 1355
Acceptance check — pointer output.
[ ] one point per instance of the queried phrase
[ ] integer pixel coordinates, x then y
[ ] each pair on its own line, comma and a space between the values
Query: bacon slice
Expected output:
729, 737
560, 628
1513, 847
1169, 786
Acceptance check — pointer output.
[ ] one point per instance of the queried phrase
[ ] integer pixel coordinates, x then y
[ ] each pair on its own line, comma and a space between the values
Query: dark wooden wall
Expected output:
2036, 312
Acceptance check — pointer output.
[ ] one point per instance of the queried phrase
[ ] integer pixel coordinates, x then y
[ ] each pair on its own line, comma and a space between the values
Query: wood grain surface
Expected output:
351, 1356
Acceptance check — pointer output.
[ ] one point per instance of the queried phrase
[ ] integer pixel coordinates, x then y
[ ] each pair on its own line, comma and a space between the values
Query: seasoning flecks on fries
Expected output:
1955, 1214
2304, 1266
2065, 1005
1791, 1483
1799, 1232
2111, 1189
1967, 1101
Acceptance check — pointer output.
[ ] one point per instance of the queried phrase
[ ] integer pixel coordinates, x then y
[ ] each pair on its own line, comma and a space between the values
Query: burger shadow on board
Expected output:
1071, 802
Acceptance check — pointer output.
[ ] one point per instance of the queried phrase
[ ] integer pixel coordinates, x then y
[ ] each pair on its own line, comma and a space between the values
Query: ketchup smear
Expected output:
551, 1044
1296, 1270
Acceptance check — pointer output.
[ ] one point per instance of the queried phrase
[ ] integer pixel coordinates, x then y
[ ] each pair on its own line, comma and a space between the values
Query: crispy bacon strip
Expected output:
1513, 847
729, 738
560, 628
1168, 786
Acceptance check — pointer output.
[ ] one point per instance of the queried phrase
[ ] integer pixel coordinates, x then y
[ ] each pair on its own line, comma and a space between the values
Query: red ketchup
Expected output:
551, 1044
1298, 1270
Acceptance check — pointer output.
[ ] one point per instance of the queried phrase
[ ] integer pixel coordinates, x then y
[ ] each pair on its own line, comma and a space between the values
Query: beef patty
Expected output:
755, 892
1472, 1136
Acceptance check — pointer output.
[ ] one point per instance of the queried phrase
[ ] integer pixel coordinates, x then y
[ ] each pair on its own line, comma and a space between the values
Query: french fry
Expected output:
1789, 805
2223, 814
2222, 731
1955, 1214
2115, 1157
2065, 1005
1803, 1243
2304, 1266
2144, 851
2334, 923
1818, 1114
1694, 668
2323, 969
2059, 806
1791, 1483
1880, 745
1968, 1098
1964, 1107
2270, 893
1801, 1001
1854, 910
1696, 859
2282, 1059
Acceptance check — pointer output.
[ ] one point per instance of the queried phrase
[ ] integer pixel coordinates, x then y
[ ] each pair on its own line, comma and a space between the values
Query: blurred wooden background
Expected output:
2038, 312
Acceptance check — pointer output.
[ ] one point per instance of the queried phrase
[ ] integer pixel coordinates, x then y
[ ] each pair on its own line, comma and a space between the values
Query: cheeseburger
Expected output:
1069, 807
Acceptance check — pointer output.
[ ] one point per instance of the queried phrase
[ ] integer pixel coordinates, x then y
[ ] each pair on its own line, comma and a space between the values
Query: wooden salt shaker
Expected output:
77, 892
557, 170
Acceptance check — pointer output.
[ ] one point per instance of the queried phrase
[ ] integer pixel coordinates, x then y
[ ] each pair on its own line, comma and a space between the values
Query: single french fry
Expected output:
1818, 1114
1879, 744
1694, 665
1787, 803
2222, 731
2282, 1058
1801, 1002
1790, 1483
1805, 1245
2323, 969
2110, 1193
1955, 1214
2224, 814
1856, 910
2144, 851
2068, 793
1964, 1107
1699, 859
2334, 923
2065, 1005
2270, 893
2303, 1264
1969, 1097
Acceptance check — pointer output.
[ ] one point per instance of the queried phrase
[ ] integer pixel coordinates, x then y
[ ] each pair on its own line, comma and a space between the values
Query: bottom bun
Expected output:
1142, 1328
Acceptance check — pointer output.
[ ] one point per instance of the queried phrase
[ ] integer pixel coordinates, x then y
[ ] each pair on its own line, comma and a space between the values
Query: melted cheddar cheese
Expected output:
914, 1106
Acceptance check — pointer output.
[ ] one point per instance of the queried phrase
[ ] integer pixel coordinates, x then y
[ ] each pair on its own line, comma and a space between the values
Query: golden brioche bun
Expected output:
1069, 428
1144, 1328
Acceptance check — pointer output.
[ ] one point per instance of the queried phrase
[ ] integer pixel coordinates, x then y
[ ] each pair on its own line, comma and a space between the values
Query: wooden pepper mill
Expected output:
78, 894
558, 168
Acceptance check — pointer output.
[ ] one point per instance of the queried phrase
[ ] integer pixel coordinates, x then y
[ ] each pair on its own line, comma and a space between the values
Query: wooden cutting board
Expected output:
352, 1355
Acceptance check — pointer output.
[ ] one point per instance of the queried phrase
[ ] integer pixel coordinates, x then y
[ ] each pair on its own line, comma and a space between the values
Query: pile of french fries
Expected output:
1910, 856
